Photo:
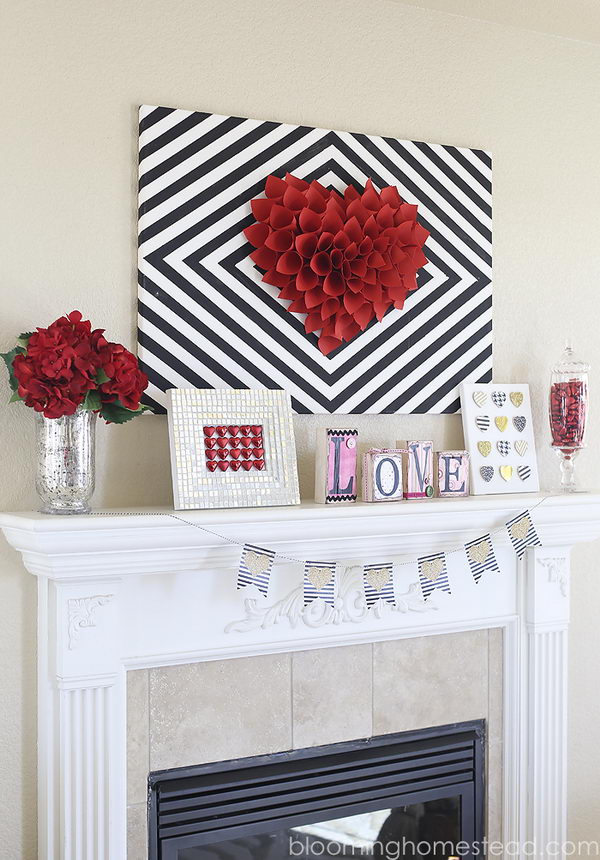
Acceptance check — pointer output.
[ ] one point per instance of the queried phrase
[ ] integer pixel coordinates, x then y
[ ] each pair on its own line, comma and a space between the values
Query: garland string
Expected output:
279, 555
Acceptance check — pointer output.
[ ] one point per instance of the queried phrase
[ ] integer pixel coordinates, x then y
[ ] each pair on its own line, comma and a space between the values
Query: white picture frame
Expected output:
484, 406
216, 464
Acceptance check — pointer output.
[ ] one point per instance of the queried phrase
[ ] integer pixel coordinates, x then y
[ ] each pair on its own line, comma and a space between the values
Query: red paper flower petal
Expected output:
328, 343
276, 279
261, 208
306, 279
352, 302
256, 234
280, 217
289, 263
296, 182
313, 322
325, 241
329, 308
334, 284
264, 258
275, 187
321, 263
306, 244
364, 315
294, 199
314, 297
280, 240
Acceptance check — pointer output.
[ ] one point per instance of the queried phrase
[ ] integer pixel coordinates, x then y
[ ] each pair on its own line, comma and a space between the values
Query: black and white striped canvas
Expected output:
207, 320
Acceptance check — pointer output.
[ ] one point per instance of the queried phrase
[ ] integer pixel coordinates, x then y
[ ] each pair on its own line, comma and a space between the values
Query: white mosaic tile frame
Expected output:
194, 486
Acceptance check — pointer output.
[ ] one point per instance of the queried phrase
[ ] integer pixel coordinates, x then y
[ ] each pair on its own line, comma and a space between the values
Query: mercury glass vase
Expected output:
66, 462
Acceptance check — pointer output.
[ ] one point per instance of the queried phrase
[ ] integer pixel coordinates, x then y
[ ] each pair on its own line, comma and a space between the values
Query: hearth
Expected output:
388, 796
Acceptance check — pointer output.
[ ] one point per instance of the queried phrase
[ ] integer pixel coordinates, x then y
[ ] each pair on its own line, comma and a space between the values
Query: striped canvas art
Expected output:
207, 320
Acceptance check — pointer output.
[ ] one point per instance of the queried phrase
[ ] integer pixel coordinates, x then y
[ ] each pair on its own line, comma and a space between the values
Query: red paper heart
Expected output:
222, 455
222, 443
235, 443
221, 431
210, 443
236, 453
259, 464
313, 243
246, 441
235, 465
211, 455
258, 452
211, 465
245, 430
209, 431
247, 465
233, 430
246, 453
256, 429
223, 465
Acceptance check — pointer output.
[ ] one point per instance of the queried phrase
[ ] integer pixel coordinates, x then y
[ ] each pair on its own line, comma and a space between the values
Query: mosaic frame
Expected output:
195, 487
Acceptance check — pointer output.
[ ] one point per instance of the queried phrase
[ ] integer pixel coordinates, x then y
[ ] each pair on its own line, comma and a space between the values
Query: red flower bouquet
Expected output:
69, 365
342, 260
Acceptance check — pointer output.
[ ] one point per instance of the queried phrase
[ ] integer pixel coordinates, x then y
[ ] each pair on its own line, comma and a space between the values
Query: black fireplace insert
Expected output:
414, 794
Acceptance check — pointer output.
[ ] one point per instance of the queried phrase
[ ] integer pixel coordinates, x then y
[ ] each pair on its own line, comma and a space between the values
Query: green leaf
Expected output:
101, 377
15, 396
23, 339
116, 413
9, 357
92, 401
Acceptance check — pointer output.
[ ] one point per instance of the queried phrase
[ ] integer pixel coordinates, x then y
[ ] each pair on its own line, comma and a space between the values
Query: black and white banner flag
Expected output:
378, 583
319, 581
481, 556
433, 574
522, 533
255, 568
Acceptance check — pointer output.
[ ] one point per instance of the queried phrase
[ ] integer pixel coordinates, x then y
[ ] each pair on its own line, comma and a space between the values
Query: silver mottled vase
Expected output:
66, 462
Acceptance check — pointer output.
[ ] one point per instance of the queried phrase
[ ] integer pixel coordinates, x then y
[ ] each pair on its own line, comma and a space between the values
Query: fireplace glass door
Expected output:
397, 796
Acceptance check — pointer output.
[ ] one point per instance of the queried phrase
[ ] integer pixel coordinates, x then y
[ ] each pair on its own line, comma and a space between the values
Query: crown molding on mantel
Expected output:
130, 589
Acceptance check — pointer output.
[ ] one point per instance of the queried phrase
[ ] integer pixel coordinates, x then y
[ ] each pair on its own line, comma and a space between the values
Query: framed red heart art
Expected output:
350, 270
231, 448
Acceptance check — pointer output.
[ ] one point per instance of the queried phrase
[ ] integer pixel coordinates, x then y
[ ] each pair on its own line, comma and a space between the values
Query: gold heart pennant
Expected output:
319, 577
480, 551
431, 570
256, 562
520, 529
377, 578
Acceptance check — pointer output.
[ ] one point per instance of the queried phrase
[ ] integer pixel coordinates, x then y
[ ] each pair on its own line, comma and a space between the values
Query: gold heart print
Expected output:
501, 422
480, 551
432, 569
484, 448
256, 562
520, 529
319, 577
378, 578
506, 472
516, 398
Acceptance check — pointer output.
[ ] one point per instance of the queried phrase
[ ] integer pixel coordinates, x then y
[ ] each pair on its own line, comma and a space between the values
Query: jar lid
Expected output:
570, 362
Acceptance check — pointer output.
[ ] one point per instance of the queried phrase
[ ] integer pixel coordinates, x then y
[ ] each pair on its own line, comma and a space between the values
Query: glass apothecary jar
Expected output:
568, 411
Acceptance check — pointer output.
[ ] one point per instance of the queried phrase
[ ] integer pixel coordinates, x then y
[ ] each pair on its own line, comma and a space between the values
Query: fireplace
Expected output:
389, 796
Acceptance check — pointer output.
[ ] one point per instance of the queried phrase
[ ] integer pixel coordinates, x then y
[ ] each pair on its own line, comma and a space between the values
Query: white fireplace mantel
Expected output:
126, 590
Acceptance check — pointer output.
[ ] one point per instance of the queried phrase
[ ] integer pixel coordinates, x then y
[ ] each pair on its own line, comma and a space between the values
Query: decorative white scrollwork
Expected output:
82, 612
350, 605
557, 572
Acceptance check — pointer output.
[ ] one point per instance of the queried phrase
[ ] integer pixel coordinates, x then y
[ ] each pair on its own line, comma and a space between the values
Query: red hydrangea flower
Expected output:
341, 260
126, 381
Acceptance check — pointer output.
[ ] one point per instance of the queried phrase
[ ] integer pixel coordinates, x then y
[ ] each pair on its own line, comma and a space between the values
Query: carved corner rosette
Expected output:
557, 572
350, 606
82, 614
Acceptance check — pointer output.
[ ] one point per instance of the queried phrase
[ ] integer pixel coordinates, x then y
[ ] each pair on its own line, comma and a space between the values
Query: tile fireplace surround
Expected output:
118, 593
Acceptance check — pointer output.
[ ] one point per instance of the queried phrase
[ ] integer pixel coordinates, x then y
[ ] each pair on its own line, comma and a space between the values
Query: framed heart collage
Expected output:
349, 270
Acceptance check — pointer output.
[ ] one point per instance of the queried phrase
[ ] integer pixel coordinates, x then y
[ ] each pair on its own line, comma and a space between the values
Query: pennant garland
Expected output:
433, 574
522, 533
319, 581
256, 564
378, 583
481, 556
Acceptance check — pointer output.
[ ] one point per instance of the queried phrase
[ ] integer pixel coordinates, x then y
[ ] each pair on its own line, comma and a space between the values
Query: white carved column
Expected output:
546, 624
81, 714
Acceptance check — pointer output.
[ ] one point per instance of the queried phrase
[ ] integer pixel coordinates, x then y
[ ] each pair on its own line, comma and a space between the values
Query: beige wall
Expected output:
73, 76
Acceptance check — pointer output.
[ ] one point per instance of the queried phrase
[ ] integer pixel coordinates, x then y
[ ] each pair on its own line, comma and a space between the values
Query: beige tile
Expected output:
138, 744
332, 695
137, 833
429, 681
218, 710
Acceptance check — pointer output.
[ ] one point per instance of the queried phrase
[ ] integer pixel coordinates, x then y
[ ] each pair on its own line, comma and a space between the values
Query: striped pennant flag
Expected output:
255, 567
378, 583
433, 574
481, 556
319, 581
522, 533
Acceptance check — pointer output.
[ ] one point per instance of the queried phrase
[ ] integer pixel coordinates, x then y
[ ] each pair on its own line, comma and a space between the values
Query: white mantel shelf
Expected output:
132, 589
